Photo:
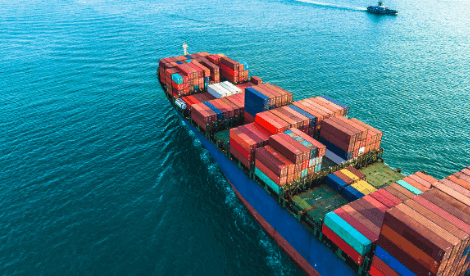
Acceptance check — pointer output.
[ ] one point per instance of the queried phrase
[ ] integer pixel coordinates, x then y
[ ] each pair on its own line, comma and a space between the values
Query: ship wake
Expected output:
333, 5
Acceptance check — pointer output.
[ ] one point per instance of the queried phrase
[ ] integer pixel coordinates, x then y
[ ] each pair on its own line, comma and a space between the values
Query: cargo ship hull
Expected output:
312, 256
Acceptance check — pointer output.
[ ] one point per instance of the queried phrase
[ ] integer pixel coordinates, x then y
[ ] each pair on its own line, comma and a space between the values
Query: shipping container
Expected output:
350, 235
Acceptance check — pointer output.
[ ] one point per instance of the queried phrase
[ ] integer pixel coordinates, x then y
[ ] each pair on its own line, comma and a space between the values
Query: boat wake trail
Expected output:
333, 5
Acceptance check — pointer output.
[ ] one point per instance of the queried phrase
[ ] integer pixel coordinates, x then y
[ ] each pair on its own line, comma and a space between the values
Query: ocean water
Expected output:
98, 174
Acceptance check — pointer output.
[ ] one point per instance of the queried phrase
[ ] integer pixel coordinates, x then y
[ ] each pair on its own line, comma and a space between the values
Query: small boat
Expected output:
381, 9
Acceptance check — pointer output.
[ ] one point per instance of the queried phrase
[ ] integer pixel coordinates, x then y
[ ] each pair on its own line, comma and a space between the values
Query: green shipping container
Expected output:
348, 233
409, 187
268, 181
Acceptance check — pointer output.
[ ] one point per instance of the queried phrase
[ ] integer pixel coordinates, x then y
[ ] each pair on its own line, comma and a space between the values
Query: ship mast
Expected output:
185, 46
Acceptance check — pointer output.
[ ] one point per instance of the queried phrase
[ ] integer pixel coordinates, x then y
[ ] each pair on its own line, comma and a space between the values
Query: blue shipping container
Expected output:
177, 78
196, 88
178, 62
188, 56
351, 194
392, 262
253, 94
206, 79
220, 114
335, 182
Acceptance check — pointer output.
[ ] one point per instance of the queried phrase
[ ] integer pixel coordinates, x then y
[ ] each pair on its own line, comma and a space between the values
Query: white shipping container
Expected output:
238, 90
222, 91
212, 90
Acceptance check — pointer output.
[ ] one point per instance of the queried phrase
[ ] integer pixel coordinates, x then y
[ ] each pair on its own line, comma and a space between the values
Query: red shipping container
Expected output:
415, 232
278, 96
407, 258
321, 149
262, 129
275, 165
295, 143
258, 133
235, 109
254, 137
285, 148
375, 272
228, 112
276, 179
358, 258
327, 113
267, 93
240, 157
332, 138
246, 154
290, 166
265, 120
285, 118
371, 129
231, 72
383, 267
367, 213
333, 111
248, 118
442, 213
415, 184
396, 193
229, 63
256, 80
214, 59
381, 207
390, 197
426, 177
382, 199
319, 117
243, 140
359, 222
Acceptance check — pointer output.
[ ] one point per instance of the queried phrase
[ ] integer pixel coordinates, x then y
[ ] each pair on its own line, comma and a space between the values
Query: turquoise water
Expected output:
99, 176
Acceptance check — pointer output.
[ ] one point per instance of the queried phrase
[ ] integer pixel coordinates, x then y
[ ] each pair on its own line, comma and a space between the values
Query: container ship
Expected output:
314, 178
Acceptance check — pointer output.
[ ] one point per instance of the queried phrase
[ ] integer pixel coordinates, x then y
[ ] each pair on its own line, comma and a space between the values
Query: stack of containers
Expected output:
289, 157
356, 228
374, 136
339, 137
292, 150
264, 97
214, 76
232, 70
244, 140
317, 151
429, 234
203, 115
349, 138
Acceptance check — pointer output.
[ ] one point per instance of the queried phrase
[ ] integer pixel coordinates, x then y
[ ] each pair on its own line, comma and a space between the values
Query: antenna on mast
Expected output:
185, 46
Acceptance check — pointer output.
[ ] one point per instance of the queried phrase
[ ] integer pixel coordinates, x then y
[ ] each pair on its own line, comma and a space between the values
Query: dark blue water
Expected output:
99, 176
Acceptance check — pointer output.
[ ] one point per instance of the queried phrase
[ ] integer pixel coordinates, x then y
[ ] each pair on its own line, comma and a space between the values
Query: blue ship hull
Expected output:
295, 239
